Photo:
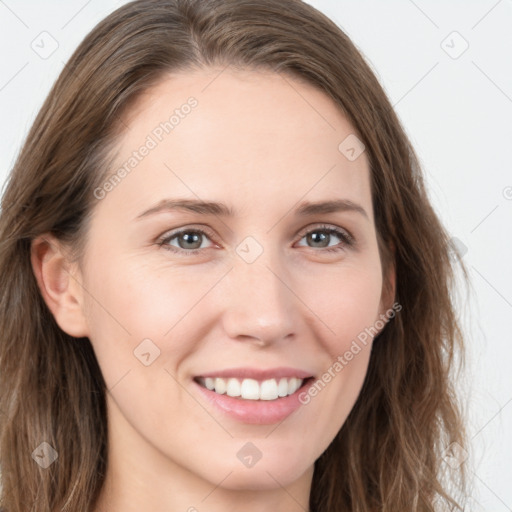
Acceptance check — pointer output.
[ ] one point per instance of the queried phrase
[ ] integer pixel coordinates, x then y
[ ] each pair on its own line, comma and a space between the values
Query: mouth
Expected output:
252, 395
253, 389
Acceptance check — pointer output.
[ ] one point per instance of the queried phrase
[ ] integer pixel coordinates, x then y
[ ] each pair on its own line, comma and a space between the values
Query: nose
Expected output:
260, 305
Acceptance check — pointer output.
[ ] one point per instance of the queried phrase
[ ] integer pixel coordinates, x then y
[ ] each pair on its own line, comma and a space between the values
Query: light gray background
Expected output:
456, 106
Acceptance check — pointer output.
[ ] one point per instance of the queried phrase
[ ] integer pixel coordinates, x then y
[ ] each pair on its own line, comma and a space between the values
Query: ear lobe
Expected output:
59, 284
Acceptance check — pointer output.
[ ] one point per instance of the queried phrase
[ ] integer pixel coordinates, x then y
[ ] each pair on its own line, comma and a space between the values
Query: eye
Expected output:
321, 236
188, 241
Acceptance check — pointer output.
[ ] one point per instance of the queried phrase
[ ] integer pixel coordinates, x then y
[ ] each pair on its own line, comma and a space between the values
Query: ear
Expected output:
60, 284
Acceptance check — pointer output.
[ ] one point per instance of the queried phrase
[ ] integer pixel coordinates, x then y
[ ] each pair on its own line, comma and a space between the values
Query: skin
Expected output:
261, 143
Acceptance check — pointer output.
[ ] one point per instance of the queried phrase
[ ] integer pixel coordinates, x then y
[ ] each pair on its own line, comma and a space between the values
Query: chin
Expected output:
277, 472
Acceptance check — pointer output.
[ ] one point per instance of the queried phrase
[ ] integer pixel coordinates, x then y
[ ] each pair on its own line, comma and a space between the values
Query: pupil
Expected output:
191, 238
318, 239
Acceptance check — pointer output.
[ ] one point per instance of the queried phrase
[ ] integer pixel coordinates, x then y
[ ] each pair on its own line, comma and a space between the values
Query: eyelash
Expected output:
347, 240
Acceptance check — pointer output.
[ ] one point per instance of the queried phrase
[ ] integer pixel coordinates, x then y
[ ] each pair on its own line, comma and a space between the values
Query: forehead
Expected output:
236, 136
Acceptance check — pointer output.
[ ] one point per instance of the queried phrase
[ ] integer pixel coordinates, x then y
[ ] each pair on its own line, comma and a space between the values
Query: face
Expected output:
253, 298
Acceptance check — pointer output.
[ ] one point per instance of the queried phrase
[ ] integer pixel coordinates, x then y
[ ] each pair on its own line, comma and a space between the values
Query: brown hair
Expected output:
388, 455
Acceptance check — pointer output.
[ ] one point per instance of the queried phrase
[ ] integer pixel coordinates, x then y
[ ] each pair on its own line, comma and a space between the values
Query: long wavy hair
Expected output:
390, 454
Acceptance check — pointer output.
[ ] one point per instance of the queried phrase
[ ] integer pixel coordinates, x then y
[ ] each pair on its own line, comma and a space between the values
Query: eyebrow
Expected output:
305, 209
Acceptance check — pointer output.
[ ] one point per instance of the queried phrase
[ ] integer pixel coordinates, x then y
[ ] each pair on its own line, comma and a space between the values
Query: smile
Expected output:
253, 395
252, 389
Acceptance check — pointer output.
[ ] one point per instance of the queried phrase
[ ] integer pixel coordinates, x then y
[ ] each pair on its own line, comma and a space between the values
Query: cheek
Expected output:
136, 316
129, 304
351, 317
347, 301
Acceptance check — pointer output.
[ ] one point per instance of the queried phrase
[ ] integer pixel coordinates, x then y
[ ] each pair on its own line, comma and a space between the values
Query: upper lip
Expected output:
258, 373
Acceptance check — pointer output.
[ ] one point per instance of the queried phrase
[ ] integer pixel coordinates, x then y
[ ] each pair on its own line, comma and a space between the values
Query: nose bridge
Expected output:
260, 305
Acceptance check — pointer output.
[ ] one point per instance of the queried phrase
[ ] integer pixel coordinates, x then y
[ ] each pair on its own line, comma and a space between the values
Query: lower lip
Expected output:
257, 412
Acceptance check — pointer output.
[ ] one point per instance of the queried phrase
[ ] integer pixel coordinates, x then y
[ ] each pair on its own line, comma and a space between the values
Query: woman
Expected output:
298, 355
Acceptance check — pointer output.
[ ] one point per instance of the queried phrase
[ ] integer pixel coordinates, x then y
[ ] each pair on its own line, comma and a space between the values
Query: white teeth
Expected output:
251, 389
294, 385
282, 388
233, 387
268, 390
220, 386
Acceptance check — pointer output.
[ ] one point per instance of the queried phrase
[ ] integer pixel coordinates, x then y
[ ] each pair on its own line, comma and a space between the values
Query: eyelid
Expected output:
189, 227
329, 227
348, 240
